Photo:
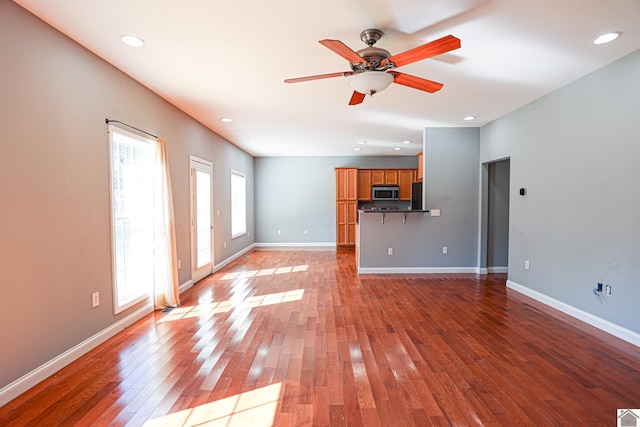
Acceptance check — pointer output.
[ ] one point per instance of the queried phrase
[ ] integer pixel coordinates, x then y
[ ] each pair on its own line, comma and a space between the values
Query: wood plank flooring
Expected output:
296, 338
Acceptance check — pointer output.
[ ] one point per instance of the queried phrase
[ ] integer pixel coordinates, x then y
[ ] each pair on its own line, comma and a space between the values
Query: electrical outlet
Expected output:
179, 264
306, 232
390, 251
95, 299
607, 289
526, 264
445, 250
435, 212
224, 244
279, 232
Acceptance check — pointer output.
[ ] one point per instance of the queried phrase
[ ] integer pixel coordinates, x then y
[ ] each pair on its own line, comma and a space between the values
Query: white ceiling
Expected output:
215, 59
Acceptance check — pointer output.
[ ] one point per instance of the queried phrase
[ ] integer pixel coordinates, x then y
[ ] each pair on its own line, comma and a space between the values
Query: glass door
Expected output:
201, 219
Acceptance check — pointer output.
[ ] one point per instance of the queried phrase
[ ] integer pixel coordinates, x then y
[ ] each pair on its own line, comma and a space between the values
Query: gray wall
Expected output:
294, 194
451, 184
55, 244
498, 214
576, 151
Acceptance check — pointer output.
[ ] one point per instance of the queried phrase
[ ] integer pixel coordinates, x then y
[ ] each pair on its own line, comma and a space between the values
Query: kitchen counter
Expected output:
406, 241
391, 210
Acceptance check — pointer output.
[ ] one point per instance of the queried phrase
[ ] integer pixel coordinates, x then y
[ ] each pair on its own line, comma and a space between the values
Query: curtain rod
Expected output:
107, 121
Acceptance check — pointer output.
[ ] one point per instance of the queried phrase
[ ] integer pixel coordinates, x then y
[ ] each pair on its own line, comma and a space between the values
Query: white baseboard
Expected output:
24, 383
417, 270
295, 245
497, 269
233, 257
595, 321
186, 285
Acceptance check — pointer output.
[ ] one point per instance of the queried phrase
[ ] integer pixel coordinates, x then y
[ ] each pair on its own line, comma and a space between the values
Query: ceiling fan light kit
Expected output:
370, 82
373, 68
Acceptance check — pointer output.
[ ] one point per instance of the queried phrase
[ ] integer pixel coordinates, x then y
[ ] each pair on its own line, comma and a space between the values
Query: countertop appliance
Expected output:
385, 193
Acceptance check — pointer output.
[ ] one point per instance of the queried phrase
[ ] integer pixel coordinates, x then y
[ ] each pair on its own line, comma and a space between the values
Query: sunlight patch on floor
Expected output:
264, 272
270, 299
199, 310
256, 408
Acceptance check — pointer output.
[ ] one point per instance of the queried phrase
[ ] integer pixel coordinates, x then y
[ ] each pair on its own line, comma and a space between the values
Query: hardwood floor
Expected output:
296, 338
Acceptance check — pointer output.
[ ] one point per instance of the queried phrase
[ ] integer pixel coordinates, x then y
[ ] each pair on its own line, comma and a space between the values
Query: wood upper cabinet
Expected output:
406, 177
346, 206
391, 177
384, 176
378, 177
420, 167
364, 184
346, 184
400, 177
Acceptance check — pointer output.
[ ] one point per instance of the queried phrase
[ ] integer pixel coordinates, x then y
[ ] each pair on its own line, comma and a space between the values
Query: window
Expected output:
132, 162
238, 204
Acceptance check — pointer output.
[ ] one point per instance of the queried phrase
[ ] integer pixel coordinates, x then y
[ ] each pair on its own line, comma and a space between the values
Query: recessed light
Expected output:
362, 142
357, 148
226, 120
608, 37
469, 118
132, 41
397, 148
406, 142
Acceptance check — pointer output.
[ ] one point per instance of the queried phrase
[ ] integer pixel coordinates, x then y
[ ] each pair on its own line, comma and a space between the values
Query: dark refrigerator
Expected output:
416, 196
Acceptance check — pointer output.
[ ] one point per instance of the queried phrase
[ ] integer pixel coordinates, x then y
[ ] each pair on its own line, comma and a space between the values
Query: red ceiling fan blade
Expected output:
436, 47
416, 82
318, 77
356, 98
343, 50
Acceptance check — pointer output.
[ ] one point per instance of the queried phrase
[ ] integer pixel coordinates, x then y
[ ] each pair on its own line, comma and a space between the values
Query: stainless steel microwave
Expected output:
385, 193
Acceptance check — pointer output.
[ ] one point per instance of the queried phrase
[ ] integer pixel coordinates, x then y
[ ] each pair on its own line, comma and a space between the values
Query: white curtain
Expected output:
166, 286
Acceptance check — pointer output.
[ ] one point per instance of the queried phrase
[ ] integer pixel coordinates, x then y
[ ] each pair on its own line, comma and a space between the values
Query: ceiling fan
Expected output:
373, 69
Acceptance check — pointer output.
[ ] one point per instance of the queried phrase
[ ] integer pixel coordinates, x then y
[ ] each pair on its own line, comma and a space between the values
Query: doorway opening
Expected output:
495, 217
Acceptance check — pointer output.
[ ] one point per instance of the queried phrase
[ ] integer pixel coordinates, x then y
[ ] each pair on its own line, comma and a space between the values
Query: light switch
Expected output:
435, 212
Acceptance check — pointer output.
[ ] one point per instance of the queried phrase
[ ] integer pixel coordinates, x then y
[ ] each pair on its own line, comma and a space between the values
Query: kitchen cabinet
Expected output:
378, 177
346, 219
346, 184
391, 177
346, 206
405, 178
364, 184
420, 167
400, 177
384, 176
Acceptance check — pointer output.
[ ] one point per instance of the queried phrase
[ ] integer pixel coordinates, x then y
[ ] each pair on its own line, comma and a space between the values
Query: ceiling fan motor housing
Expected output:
372, 55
